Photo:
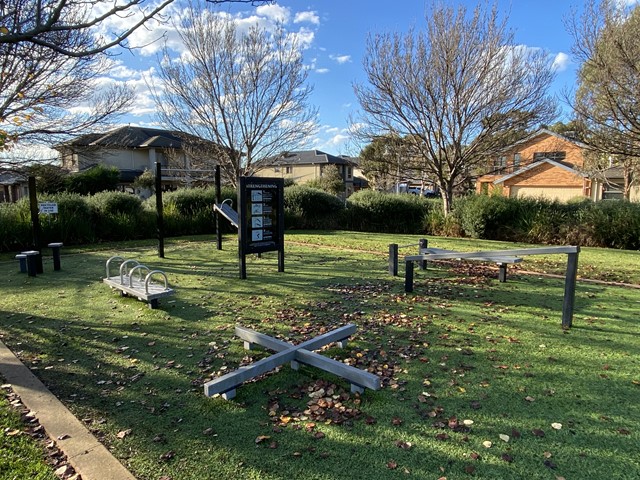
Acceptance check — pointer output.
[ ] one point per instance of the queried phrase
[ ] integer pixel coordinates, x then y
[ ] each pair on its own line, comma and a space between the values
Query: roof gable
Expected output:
132, 137
533, 165
305, 157
545, 131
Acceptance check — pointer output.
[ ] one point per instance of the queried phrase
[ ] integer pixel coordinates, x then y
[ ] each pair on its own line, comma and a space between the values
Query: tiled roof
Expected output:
305, 157
132, 137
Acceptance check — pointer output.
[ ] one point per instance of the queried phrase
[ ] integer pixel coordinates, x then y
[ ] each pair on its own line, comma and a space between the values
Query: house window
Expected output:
288, 169
500, 162
516, 160
612, 191
556, 156
349, 172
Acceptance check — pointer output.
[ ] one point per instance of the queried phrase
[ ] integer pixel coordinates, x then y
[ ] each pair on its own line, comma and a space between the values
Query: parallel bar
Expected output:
496, 253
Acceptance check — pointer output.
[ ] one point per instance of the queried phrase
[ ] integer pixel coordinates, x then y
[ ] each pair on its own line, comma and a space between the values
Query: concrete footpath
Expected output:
85, 453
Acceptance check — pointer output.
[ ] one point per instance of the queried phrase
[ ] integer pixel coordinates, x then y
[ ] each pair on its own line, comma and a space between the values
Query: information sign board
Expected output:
261, 218
48, 207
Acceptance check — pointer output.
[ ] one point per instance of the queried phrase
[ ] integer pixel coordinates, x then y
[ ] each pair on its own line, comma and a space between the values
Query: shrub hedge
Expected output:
114, 216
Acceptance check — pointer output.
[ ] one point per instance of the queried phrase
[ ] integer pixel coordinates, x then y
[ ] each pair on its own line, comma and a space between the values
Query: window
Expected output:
613, 191
349, 172
288, 169
516, 159
557, 156
500, 162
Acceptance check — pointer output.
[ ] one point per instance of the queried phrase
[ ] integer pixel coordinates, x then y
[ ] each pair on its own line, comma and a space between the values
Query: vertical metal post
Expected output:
393, 259
502, 272
408, 276
570, 289
35, 223
422, 245
218, 202
159, 210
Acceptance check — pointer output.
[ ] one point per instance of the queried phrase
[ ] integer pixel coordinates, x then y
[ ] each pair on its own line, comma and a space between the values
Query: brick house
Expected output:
545, 164
306, 165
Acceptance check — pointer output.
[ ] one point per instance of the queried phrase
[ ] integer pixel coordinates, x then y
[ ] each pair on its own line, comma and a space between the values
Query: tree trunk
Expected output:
446, 192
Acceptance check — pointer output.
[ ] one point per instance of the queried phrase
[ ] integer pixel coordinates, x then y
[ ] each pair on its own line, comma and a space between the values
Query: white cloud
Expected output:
310, 17
274, 12
322, 70
561, 62
303, 37
340, 58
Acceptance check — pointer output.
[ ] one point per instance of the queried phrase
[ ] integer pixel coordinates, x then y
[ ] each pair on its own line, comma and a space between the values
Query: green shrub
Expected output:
310, 208
15, 225
74, 223
373, 211
93, 180
490, 217
613, 224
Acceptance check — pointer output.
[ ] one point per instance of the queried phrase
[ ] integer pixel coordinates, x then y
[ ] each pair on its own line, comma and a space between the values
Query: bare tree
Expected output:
246, 92
453, 89
50, 23
39, 87
607, 101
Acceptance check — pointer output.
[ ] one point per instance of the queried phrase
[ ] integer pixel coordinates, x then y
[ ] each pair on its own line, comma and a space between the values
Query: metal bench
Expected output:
227, 211
135, 279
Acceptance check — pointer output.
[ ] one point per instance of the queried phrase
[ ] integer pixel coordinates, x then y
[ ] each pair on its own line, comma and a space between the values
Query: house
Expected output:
13, 186
135, 149
544, 164
609, 184
306, 165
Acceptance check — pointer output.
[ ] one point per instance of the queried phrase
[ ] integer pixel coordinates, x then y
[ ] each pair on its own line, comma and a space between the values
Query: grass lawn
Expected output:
479, 379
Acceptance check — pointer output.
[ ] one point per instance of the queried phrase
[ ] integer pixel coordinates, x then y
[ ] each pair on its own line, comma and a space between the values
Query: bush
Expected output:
307, 207
74, 223
93, 180
490, 217
373, 211
117, 216
15, 225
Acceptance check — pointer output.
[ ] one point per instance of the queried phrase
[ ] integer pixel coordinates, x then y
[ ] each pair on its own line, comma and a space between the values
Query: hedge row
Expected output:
114, 216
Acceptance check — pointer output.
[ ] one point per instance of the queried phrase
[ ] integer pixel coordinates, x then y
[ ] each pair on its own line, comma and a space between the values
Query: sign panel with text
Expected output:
261, 210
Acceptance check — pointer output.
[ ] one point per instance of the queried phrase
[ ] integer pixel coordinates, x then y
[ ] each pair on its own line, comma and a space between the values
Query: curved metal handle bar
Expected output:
123, 269
148, 278
116, 258
139, 267
227, 200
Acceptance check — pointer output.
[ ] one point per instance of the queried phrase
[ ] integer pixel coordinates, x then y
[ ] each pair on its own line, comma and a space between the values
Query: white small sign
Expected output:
48, 207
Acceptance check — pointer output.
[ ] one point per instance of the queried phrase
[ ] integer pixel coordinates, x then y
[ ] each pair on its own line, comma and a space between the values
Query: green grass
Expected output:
461, 347
20, 455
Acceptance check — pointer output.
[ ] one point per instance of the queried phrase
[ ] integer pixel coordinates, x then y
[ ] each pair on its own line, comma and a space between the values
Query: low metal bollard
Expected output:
55, 249
22, 258
32, 260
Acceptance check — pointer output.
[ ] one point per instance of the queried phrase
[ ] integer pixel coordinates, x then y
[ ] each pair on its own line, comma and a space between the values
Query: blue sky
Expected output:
334, 34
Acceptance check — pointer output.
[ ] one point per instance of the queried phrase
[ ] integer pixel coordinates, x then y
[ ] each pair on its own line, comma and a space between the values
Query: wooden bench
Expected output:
501, 261
295, 354
130, 281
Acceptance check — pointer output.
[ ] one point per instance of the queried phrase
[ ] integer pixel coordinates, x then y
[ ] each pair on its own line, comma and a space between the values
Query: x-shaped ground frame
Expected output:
296, 354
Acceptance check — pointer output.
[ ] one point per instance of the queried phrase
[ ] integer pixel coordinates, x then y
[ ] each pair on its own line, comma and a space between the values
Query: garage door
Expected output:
562, 194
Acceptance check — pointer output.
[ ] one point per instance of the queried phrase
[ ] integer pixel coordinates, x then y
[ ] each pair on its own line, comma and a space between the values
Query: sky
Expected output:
333, 34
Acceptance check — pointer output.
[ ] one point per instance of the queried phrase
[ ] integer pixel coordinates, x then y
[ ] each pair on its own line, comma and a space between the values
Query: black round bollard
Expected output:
55, 249
32, 260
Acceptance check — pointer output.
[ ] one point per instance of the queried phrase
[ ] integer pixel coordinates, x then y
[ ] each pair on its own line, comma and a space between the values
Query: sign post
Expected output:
261, 215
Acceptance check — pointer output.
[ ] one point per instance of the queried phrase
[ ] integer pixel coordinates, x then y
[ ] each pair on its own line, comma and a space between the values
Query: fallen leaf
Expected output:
391, 465
467, 423
529, 399
487, 444
503, 437
556, 426
396, 421
507, 458
469, 469
262, 438
404, 445
537, 432
64, 436
123, 433
166, 456
550, 464
624, 431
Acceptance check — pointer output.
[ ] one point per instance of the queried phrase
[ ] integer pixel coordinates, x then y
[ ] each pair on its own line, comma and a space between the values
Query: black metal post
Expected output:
393, 259
159, 210
408, 276
570, 289
35, 223
422, 245
218, 202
